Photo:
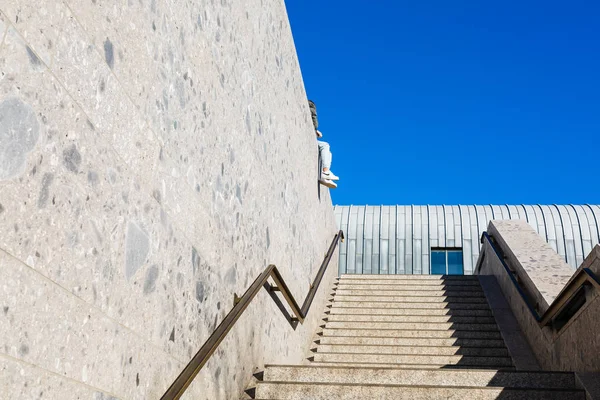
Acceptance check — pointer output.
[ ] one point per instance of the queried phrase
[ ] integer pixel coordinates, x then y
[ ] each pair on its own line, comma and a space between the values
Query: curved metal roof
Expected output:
398, 239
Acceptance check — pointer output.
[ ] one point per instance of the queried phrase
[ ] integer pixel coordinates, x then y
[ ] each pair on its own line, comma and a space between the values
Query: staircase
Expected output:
410, 337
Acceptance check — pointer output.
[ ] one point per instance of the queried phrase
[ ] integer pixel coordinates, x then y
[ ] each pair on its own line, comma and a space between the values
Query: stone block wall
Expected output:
155, 157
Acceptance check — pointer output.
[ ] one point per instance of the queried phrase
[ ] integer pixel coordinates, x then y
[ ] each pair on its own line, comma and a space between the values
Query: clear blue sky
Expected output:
430, 102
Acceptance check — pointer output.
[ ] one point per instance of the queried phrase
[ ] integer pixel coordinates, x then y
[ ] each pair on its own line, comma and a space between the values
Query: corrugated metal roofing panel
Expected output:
375, 264
515, 213
584, 228
577, 233
593, 222
550, 227
541, 223
398, 239
409, 241
532, 218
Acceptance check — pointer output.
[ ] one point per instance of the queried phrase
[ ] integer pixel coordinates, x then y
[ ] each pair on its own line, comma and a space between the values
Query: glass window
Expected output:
455, 263
447, 262
438, 262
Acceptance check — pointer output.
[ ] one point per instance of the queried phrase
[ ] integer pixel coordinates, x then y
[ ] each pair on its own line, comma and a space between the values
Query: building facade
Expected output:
446, 239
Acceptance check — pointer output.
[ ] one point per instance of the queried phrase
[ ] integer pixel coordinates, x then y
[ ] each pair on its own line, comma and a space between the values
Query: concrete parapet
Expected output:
541, 274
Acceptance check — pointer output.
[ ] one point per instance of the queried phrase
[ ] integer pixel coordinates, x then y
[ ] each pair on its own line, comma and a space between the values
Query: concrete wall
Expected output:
542, 275
155, 157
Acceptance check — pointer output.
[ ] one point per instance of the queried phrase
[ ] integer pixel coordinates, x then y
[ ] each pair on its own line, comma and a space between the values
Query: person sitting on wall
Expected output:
327, 177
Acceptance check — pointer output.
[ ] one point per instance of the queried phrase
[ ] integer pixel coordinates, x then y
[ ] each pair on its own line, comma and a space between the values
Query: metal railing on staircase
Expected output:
188, 374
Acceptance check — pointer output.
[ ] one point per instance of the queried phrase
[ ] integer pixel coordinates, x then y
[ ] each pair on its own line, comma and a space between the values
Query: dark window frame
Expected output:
447, 250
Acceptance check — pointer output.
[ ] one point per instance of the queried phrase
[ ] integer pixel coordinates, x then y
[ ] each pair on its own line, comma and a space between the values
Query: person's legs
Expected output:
325, 155
327, 177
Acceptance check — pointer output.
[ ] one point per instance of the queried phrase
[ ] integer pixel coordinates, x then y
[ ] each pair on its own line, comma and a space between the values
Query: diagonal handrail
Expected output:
188, 374
583, 276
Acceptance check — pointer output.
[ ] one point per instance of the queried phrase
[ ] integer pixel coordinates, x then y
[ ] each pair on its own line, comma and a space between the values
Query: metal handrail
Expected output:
582, 277
188, 374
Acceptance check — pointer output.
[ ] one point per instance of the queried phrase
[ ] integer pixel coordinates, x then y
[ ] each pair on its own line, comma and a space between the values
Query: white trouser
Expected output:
325, 154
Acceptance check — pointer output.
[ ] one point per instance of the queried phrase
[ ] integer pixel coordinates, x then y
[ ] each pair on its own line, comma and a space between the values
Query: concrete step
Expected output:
400, 341
411, 376
383, 283
335, 310
414, 366
410, 350
346, 391
409, 305
409, 333
409, 293
411, 288
438, 326
361, 277
472, 361
340, 297
409, 318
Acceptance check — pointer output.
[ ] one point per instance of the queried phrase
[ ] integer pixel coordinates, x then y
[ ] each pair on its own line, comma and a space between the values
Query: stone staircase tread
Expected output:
405, 346
409, 277
417, 366
408, 293
386, 325
389, 285
404, 286
440, 326
411, 305
411, 333
421, 359
392, 345
409, 318
390, 341
388, 337
366, 313
411, 350
395, 354
417, 386
432, 288
408, 299
309, 366
491, 377
431, 312
469, 282
322, 391
407, 286
403, 291
420, 386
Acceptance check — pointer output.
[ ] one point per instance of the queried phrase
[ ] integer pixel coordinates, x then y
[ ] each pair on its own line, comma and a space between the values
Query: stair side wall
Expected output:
155, 157
575, 346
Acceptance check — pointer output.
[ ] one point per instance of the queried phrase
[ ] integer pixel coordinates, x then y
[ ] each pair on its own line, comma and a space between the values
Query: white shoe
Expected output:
329, 183
329, 175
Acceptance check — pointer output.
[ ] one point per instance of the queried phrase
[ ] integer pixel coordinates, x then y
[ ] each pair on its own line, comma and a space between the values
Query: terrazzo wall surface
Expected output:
155, 157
